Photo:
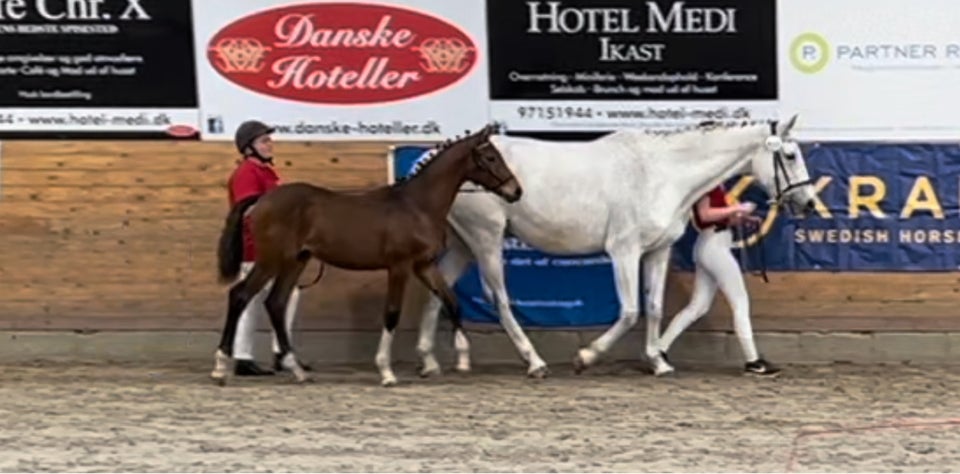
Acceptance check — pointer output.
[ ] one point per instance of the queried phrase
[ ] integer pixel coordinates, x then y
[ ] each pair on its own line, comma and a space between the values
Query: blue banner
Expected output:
882, 208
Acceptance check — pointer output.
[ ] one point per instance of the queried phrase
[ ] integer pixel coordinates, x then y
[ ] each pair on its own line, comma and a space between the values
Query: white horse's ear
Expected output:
785, 128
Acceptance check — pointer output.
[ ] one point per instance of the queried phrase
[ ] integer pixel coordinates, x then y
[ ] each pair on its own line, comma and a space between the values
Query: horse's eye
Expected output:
489, 158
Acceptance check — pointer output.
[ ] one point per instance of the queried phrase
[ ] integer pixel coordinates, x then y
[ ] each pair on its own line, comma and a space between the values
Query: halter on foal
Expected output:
400, 228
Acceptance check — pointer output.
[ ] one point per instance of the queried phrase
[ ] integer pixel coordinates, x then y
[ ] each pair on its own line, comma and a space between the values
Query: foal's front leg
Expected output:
396, 282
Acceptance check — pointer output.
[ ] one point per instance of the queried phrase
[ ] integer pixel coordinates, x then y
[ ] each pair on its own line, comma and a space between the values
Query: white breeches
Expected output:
255, 312
716, 268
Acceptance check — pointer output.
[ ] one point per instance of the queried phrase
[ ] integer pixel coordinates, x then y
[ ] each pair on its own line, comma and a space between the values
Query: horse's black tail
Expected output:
230, 250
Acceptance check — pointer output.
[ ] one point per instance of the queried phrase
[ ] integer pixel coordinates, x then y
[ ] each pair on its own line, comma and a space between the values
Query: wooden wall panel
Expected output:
812, 301
120, 235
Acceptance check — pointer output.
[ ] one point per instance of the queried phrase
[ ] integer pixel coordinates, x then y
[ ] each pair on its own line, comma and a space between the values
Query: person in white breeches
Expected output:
254, 176
716, 268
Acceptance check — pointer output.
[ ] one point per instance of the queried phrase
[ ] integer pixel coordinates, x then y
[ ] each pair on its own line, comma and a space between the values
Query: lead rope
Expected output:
763, 256
744, 265
744, 250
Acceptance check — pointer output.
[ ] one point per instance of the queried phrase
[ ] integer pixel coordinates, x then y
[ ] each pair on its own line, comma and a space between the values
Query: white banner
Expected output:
583, 65
179, 123
596, 115
878, 70
405, 70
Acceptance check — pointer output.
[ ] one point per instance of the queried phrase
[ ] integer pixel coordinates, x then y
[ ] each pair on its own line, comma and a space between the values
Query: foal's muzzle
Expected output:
510, 190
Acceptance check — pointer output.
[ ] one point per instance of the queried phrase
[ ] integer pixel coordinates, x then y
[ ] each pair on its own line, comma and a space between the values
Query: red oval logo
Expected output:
342, 53
181, 131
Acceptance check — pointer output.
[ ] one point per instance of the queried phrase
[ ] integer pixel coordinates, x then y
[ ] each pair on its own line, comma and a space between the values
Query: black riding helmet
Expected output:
248, 131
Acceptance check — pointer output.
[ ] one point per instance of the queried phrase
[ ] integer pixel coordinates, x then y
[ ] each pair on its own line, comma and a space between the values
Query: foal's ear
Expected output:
488, 130
786, 127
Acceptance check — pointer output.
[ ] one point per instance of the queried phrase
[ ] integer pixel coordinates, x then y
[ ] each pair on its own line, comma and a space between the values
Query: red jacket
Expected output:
250, 178
718, 198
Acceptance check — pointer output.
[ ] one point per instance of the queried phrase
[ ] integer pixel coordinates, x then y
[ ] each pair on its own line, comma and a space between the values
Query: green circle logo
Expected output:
809, 53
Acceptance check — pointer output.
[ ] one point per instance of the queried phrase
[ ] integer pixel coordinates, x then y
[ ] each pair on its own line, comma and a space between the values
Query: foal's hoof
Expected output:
389, 382
539, 373
219, 379
303, 378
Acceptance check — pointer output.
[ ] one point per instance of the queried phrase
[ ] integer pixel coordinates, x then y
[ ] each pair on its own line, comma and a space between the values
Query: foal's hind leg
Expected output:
276, 304
239, 297
396, 283
430, 276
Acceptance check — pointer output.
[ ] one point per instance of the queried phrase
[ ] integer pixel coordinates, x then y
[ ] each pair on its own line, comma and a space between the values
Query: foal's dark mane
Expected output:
435, 152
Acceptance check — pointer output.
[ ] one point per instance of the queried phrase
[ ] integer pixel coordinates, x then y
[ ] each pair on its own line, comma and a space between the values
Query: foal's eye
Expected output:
489, 158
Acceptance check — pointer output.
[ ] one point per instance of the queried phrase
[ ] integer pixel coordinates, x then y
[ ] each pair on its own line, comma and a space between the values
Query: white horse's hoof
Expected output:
539, 373
578, 365
429, 365
660, 367
430, 371
463, 368
585, 358
389, 381
663, 371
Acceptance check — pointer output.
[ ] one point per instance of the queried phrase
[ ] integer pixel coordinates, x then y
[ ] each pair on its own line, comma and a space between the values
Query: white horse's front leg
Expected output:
491, 270
452, 265
655, 267
626, 263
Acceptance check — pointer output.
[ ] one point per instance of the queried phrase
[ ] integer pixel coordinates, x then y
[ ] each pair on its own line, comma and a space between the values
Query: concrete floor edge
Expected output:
555, 347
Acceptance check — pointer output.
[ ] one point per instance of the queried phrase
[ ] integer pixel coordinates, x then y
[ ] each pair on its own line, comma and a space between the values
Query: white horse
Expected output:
629, 194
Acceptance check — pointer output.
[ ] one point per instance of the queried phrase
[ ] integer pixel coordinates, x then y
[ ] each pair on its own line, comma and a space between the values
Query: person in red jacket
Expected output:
716, 268
254, 176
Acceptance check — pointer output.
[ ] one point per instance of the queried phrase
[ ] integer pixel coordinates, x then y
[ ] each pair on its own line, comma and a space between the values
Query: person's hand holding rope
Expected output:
744, 215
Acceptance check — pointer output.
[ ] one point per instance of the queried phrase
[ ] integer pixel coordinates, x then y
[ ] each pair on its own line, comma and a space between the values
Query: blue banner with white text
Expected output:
885, 208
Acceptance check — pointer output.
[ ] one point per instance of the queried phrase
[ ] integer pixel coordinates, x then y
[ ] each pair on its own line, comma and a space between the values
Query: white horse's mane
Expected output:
701, 128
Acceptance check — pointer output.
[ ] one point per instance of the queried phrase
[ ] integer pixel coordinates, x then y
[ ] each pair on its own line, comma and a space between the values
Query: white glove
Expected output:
748, 207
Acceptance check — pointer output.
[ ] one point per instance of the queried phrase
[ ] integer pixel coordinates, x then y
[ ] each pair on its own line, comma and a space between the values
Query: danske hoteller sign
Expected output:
648, 19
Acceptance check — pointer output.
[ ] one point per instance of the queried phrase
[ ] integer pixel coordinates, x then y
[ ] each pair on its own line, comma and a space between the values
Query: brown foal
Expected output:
401, 228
